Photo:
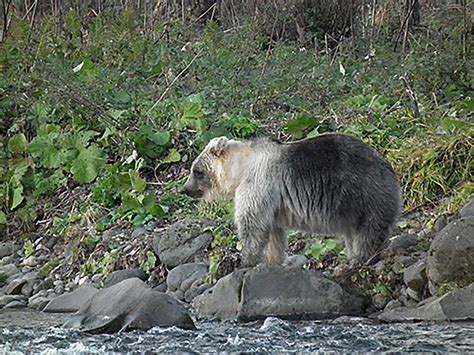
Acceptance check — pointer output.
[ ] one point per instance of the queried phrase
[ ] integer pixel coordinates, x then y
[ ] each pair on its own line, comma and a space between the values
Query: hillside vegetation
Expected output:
101, 120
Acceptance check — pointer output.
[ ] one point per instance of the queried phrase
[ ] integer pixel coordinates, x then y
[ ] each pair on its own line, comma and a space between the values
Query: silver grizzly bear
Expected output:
332, 185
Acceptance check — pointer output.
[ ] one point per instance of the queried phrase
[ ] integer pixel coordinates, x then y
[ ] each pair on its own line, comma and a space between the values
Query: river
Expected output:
34, 332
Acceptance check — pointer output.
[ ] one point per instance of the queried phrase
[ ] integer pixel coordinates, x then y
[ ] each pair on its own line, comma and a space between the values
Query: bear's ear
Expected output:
219, 147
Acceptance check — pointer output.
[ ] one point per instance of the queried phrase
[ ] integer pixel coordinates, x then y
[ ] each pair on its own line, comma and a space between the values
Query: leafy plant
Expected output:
28, 249
214, 261
149, 264
151, 144
324, 248
3, 279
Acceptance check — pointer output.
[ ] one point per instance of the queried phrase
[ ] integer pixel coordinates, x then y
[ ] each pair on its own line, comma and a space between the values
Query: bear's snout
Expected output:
190, 191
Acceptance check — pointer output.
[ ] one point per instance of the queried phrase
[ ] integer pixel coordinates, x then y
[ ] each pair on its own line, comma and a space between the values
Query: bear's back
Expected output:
332, 154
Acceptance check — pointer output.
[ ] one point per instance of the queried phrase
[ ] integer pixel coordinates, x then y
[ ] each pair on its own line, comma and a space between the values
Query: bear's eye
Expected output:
199, 174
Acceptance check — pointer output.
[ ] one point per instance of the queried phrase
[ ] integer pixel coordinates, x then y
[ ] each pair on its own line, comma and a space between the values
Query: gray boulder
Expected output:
468, 210
130, 305
290, 293
15, 304
38, 302
9, 270
415, 279
183, 242
451, 255
4, 300
223, 301
120, 275
454, 306
72, 301
187, 281
14, 286
402, 243
8, 248
297, 261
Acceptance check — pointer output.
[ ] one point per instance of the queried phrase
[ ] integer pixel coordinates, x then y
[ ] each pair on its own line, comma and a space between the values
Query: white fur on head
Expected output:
228, 162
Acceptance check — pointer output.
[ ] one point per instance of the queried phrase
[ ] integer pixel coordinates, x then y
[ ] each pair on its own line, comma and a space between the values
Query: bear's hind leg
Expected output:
368, 242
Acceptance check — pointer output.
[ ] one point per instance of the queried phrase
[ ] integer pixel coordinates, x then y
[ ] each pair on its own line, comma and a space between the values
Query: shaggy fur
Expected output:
332, 185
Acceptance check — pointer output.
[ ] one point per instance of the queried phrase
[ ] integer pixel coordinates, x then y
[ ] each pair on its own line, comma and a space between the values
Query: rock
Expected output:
197, 288
440, 223
393, 304
4, 300
297, 261
27, 289
30, 261
51, 242
120, 275
8, 248
288, 293
380, 301
415, 279
183, 242
161, 287
111, 233
43, 285
7, 260
38, 303
457, 305
451, 255
184, 277
14, 287
130, 305
468, 210
15, 304
71, 302
58, 287
97, 278
83, 280
9, 270
401, 262
402, 243
223, 300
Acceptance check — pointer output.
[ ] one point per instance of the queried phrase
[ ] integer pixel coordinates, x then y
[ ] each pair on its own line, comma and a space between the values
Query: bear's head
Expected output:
213, 173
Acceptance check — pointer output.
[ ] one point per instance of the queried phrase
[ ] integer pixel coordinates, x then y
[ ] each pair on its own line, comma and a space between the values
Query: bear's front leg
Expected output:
254, 239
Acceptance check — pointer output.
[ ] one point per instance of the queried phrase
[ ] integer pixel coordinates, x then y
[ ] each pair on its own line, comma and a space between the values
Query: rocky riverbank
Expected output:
422, 274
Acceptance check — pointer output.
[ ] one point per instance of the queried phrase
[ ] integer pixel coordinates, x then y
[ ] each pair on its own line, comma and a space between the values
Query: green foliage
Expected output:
382, 290
322, 249
3, 279
112, 109
149, 264
105, 265
123, 187
219, 210
46, 269
151, 144
214, 261
28, 248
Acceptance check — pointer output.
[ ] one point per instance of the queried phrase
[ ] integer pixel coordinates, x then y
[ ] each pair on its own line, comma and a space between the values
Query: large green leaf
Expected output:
3, 218
138, 183
15, 188
87, 165
17, 144
298, 126
173, 157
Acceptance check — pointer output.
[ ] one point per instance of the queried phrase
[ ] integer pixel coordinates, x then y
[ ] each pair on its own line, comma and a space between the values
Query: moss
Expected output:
3, 279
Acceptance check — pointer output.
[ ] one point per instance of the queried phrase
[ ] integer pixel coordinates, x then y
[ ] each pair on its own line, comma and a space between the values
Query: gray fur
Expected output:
331, 185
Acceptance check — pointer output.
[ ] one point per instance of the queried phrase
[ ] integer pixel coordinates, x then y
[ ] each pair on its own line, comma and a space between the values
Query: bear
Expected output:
333, 184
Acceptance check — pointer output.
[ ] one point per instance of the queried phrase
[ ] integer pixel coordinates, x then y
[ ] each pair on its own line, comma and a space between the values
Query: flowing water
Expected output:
33, 333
